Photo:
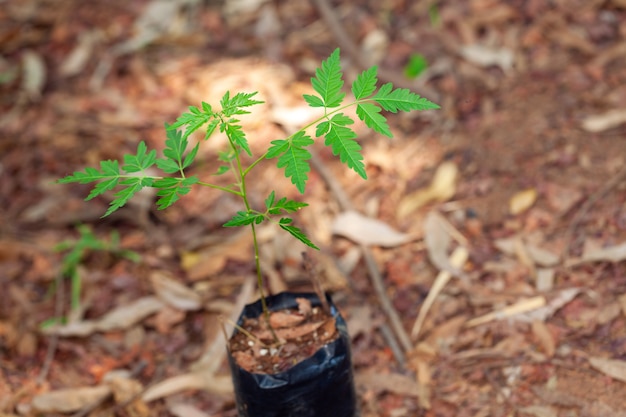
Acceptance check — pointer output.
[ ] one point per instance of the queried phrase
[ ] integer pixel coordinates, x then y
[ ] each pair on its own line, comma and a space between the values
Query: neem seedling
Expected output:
290, 153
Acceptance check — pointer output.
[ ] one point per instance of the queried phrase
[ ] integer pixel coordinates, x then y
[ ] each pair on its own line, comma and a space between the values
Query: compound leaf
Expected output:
171, 189
401, 99
293, 157
232, 106
132, 186
370, 114
142, 159
236, 134
327, 82
341, 140
285, 224
365, 83
244, 218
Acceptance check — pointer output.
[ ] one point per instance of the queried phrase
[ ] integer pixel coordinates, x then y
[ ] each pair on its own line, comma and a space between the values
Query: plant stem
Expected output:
257, 261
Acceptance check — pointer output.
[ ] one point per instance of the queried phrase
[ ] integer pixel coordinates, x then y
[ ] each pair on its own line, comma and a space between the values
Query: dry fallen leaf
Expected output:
70, 399
442, 188
34, 74
539, 411
486, 56
544, 337
609, 254
606, 121
614, 368
438, 238
522, 201
174, 293
119, 318
185, 410
367, 231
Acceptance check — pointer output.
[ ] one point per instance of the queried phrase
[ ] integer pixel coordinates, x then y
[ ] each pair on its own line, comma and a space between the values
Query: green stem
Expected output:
257, 261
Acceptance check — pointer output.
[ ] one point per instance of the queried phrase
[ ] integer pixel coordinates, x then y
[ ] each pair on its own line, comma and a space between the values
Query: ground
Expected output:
521, 172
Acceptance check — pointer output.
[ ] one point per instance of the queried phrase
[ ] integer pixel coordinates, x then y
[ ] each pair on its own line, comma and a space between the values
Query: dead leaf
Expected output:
485, 56
609, 254
544, 337
121, 317
522, 201
126, 393
200, 379
174, 293
185, 410
367, 231
438, 239
545, 279
385, 382
70, 399
614, 368
130, 314
79, 56
539, 256
33, 74
605, 121
442, 188
539, 411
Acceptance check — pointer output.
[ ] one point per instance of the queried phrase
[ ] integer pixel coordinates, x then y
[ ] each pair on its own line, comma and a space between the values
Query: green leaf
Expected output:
341, 140
269, 201
401, 99
285, 224
365, 83
211, 128
236, 135
244, 218
293, 157
327, 81
232, 106
103, 187
313, 101
171, 189
141, 160
222, 170
370, 114
193, 120
133, 186
289, 206
167, 165
322, 128
191, 156
416, 65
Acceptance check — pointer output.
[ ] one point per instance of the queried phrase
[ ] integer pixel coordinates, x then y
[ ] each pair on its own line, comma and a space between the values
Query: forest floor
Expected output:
523, 170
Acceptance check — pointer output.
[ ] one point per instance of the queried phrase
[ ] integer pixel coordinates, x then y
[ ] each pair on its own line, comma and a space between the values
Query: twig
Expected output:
346, 44
584, 209
377, 281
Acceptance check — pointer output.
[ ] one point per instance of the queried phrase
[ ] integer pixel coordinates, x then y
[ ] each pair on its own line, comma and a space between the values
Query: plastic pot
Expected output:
319, 386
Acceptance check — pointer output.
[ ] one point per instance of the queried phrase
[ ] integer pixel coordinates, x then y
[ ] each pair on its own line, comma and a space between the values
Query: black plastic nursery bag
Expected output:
320, 386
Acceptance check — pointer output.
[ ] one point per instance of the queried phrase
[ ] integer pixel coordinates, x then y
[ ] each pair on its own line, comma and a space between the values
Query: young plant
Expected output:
290, 153
76, 250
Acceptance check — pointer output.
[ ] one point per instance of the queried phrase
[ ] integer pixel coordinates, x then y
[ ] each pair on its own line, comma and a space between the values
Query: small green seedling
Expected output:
416, 65
76, 252
290, 153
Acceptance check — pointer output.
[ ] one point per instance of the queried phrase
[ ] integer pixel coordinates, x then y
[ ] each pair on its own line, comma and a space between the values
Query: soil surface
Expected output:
481, 268
295, 335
